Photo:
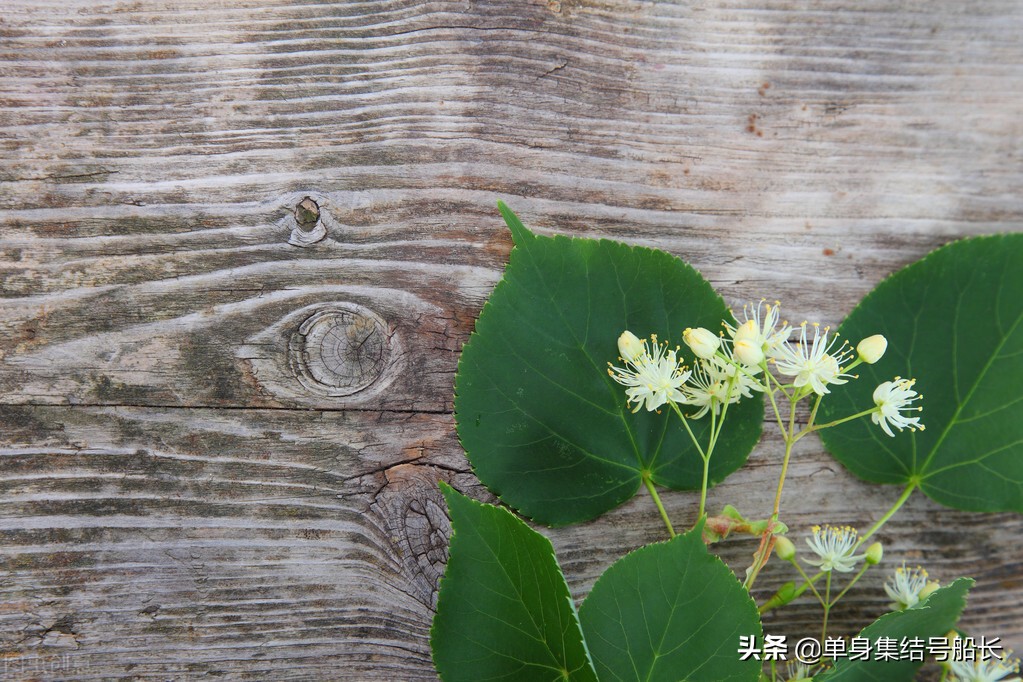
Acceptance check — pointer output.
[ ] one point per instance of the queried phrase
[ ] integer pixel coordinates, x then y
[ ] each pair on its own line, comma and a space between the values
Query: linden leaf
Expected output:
953, 322
544, 426
934, 617
504, 610
670, 611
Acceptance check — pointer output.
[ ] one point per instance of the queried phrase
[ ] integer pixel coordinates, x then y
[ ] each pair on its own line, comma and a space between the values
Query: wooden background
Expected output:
183, 496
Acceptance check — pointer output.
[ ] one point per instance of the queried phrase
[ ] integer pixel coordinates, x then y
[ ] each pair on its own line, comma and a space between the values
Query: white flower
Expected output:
872, 348
702, 342
835, 547
762, 331
708, 388
905, 587
653, 377
814, 364
892, 399
990, 670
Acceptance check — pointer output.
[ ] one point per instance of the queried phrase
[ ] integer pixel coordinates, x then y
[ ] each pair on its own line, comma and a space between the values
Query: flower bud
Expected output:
748, 331
872, 348
630, 347
747, 353
784, 548
874, 554
702, 341
929, 589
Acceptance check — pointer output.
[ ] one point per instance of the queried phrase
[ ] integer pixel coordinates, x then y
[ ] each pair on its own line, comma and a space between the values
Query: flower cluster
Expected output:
654, 375
734, 365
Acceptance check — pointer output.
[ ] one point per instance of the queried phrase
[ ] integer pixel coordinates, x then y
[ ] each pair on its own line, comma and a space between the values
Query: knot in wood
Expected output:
307, 213
308, 224
426, 532
340, 350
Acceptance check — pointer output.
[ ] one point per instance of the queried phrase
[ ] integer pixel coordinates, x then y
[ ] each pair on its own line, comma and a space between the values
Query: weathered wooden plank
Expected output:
191, 541
183, 495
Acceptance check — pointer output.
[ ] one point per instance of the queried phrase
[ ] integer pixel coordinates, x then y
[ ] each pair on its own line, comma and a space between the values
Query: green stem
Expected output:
781, 387
716, 422
660, 507
685, 423
789, 440
827, 607
851, 583
774, 404
813, 412
781, 479
810, 582
811, 429
890, 513
703, 488
715, 432
705, 456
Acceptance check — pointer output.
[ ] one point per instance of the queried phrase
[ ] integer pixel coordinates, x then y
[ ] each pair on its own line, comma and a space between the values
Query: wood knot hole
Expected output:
308, 229
307, 213
340, 351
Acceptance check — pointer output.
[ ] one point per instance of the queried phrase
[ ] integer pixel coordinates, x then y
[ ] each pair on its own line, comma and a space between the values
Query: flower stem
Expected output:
818, 427
685, 423
813, 412
660, 506
851, 583
774, 403
810, 581
781, 387
890, 513
827, 607
789, 440
703, 488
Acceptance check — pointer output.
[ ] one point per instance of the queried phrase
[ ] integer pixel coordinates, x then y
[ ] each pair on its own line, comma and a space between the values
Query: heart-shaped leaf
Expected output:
670, 611
543, 425
953, 322
504, 610
935, 617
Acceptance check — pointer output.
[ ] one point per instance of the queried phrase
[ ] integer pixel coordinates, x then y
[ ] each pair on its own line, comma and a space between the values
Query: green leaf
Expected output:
670, 611
953, 322
543, 424
932, 618
504, 610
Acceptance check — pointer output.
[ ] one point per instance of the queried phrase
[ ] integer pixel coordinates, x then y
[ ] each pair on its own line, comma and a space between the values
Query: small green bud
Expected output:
874, 554
629, 346
783, 596
784, 548
748, 354
872, 348
702, 341
748, 331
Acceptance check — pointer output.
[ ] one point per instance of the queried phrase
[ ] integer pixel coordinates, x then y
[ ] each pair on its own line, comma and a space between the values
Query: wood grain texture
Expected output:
175, 503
